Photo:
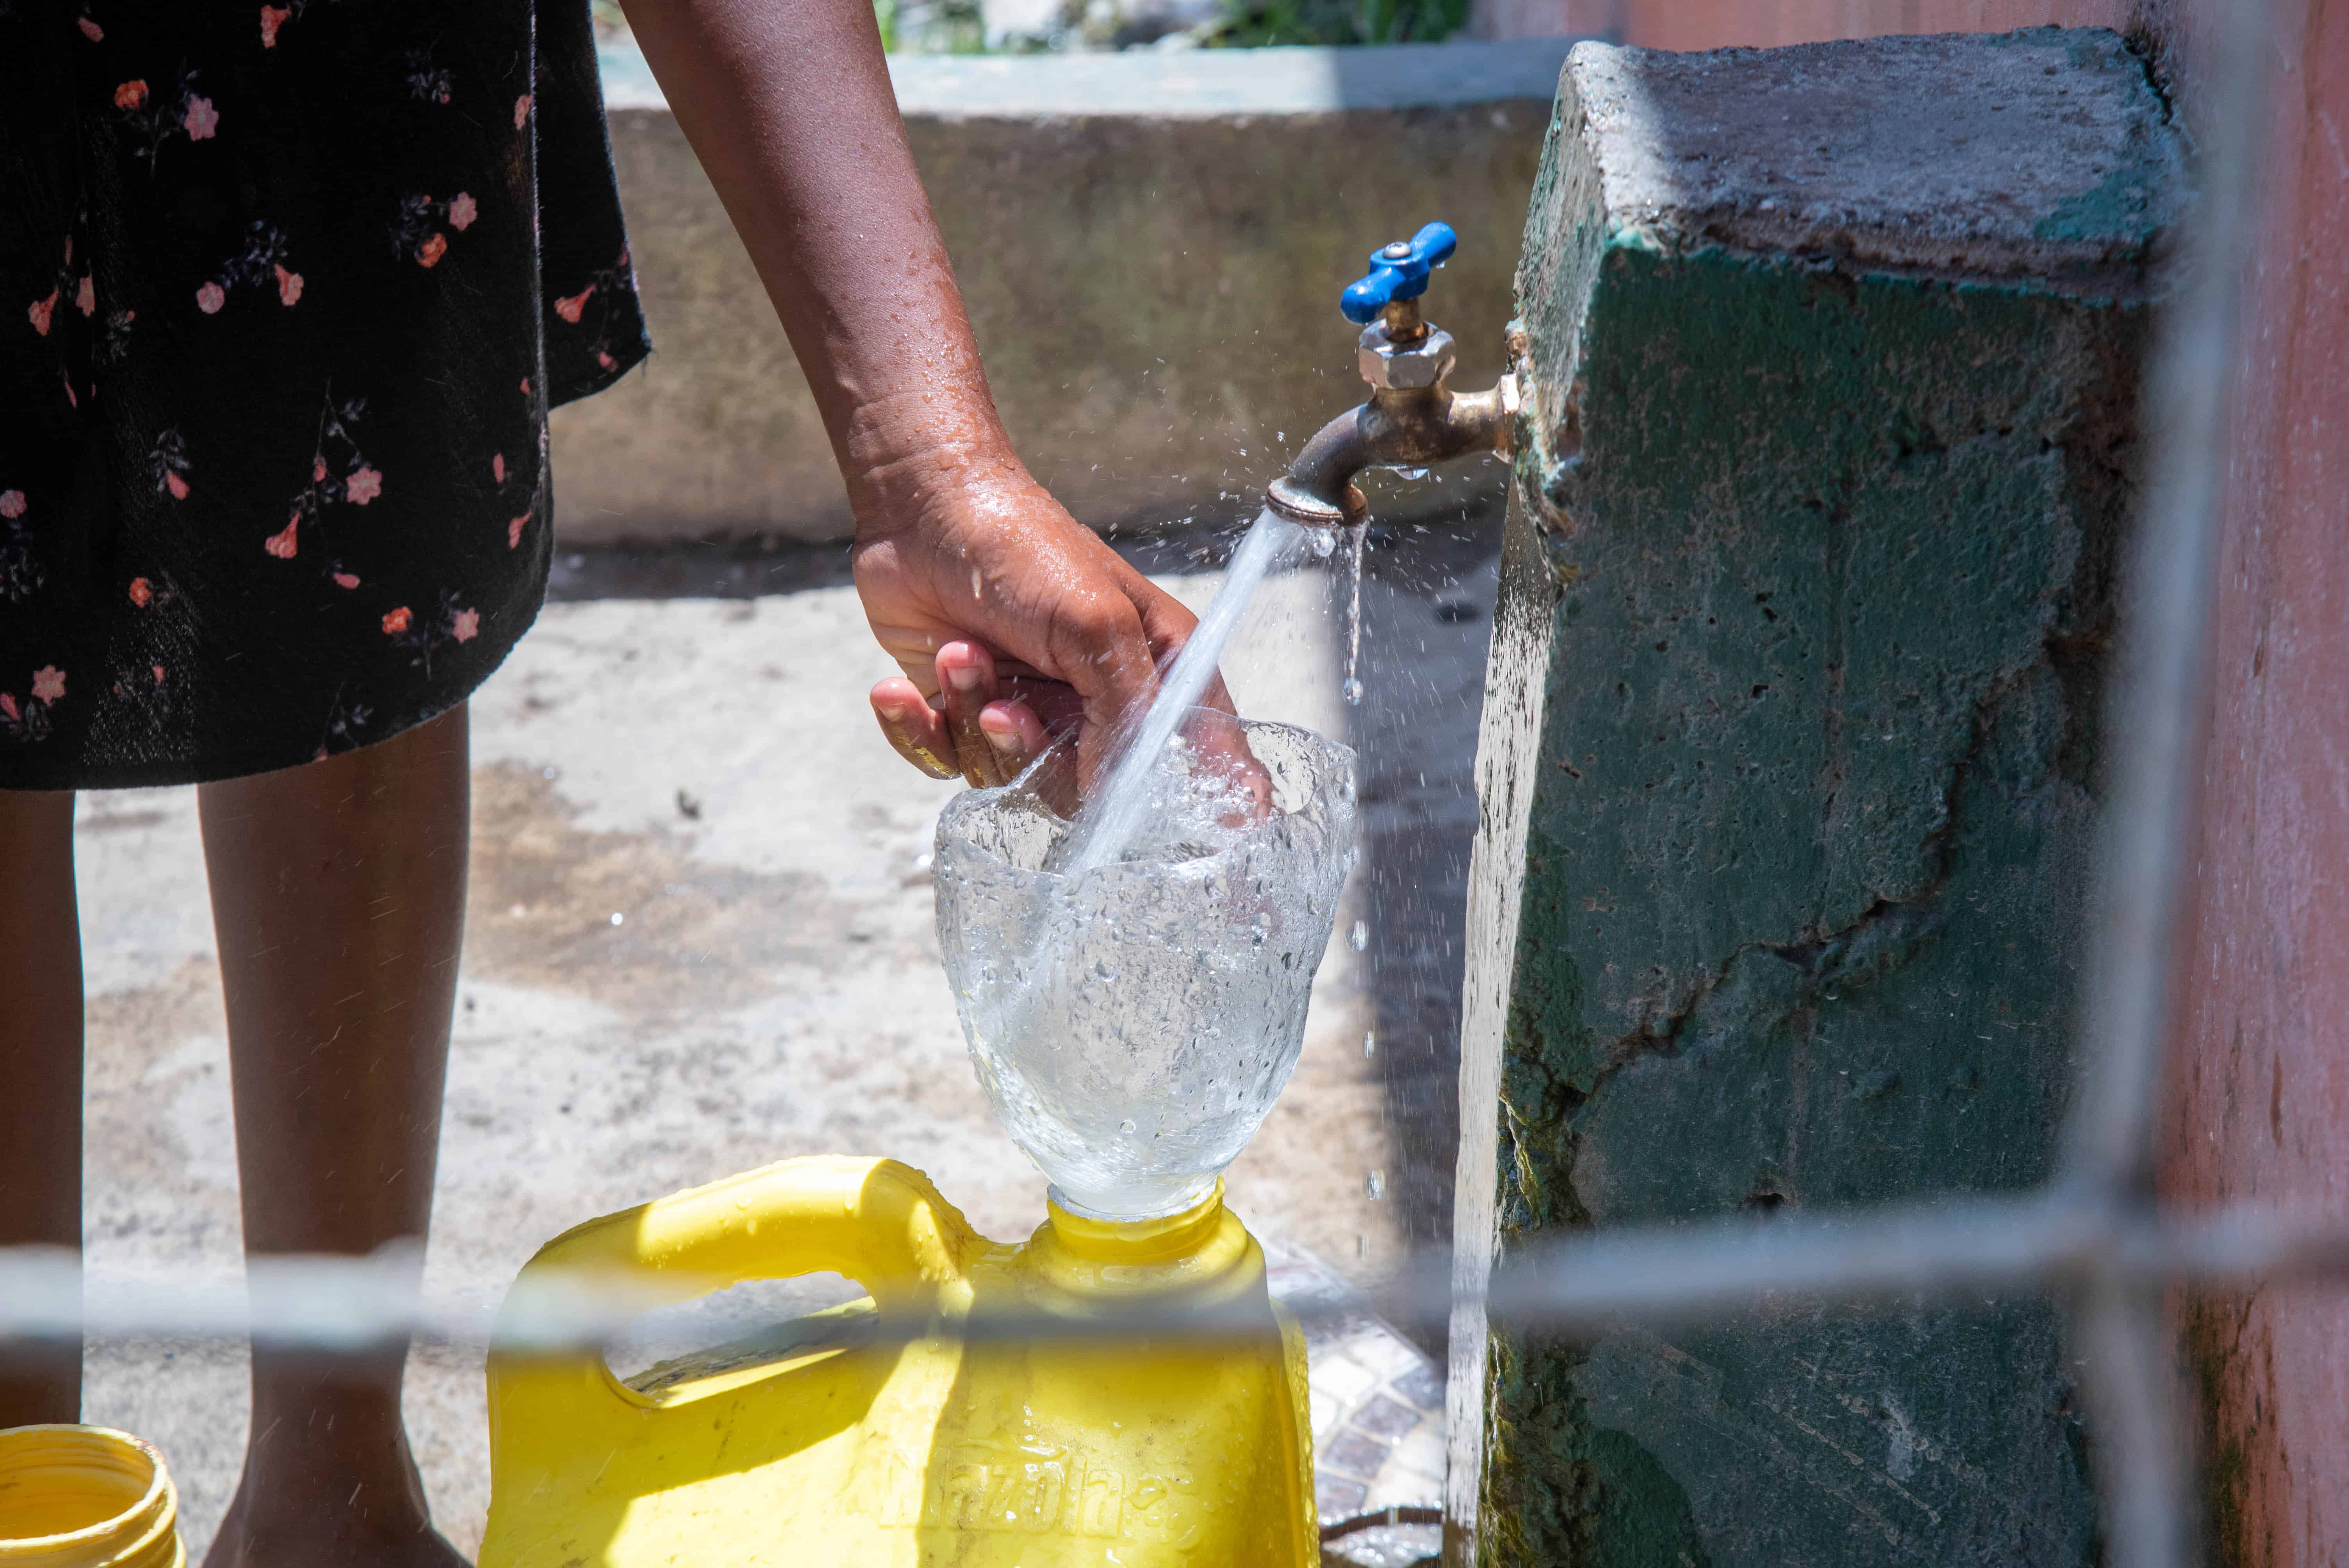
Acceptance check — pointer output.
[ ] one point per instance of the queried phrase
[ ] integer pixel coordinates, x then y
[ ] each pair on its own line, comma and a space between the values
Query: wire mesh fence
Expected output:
2094, 1237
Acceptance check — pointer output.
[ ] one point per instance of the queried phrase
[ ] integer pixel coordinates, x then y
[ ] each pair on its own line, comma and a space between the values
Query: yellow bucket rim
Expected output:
154, 1517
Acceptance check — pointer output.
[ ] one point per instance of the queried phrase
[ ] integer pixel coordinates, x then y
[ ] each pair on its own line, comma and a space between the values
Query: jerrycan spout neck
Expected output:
1076, 1259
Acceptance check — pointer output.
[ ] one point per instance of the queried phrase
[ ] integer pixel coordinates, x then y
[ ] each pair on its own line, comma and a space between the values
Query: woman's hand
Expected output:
1012, 620
971, 574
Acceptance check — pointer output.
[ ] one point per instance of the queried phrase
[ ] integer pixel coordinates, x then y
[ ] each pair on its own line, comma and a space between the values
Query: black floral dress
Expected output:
285, 294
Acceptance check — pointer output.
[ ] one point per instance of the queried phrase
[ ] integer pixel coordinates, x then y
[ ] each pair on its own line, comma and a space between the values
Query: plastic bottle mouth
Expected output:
1190, 1206
86, 1496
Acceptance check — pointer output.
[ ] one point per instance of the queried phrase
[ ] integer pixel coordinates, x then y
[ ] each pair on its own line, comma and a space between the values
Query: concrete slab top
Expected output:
2045, 153
1182, 84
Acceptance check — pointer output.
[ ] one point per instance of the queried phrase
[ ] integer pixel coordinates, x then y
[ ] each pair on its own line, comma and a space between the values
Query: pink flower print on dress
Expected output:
258, 264
12, 504
169, 463
613, 282
514, 531
90, 29
39, 312
86, 297
159, 673
428, 83
142, 593
498, 467
466, 627
339, 472
282, 543
396, 621
155, 117
416, 231
522, 111
346, 579
272, 18
29, 720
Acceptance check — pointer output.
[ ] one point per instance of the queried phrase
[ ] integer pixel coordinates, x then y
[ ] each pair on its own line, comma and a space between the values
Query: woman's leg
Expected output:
338, 901
40, 1079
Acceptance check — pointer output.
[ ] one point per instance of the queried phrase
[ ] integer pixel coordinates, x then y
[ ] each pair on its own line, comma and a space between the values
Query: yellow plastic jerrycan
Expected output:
86, 1496
988, 1454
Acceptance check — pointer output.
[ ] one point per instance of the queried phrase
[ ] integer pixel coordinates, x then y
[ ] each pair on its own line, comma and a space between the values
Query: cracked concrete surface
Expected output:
704, 768
1814, 580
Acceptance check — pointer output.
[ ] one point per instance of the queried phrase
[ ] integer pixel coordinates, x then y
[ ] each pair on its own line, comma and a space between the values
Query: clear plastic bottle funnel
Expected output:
1133, 1023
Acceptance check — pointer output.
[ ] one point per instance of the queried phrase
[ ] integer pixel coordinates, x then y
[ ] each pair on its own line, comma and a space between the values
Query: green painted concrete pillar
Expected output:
1788, 768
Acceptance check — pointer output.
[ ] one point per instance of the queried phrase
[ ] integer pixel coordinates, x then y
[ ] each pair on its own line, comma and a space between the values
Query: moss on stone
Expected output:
1832, 551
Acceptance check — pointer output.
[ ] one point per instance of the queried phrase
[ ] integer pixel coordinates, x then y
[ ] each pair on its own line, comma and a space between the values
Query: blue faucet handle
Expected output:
1399, 271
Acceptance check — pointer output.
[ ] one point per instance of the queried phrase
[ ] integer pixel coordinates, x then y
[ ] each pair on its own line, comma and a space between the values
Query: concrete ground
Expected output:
700, 939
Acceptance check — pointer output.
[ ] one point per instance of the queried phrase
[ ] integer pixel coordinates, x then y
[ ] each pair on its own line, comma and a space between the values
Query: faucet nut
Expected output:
1391, 366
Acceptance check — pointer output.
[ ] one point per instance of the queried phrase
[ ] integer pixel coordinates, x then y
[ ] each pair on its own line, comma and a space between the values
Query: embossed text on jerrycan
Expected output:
988, 1454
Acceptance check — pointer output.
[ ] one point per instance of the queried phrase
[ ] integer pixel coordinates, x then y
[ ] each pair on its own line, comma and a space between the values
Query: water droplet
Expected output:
1126, 1126
1353, 692
1360, 937
617, 918
1375, 1184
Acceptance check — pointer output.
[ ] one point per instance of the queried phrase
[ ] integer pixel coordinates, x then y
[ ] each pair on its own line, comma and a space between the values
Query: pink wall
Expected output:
2259, 1101
2258, 1105
1715, 23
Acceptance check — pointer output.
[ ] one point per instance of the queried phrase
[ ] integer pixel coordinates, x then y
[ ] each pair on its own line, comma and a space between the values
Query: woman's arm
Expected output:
789, 105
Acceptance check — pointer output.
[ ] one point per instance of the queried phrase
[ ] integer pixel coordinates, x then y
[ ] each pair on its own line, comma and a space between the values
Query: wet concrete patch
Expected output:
630, 919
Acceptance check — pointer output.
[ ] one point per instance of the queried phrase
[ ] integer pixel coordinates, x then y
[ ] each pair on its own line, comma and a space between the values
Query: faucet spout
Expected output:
1412, 419
1399, 428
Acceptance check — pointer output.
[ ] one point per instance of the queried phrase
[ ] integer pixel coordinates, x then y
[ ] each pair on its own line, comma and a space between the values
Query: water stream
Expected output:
1117, 809
1354, 543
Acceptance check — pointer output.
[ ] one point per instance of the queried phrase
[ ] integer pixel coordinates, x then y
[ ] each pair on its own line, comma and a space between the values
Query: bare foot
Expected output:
318, 1519
328, 1477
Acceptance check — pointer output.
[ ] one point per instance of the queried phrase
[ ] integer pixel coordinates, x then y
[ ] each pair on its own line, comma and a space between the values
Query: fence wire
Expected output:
1968, 1248
2092, 1235
2156, 716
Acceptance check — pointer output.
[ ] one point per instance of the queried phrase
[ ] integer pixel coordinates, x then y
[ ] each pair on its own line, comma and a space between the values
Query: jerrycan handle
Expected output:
879, 1223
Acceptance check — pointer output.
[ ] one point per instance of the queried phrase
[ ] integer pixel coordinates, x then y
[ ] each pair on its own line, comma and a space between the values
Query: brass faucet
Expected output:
1412, 419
